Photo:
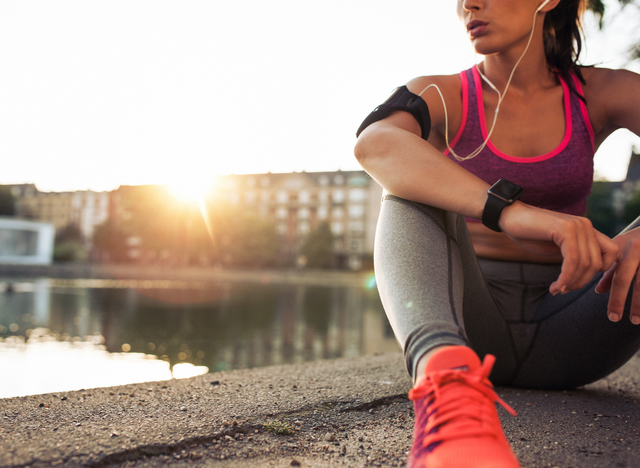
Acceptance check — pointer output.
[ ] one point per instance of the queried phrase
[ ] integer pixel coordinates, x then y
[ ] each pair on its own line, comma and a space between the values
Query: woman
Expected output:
549, 296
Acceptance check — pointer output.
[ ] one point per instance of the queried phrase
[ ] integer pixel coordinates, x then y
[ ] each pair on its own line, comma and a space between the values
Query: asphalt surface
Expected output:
347, 412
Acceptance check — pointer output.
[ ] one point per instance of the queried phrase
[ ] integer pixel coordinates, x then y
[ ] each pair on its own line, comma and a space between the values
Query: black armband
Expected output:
401, 100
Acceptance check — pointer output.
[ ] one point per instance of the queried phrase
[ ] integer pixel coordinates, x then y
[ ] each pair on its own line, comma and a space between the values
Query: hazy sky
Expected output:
103, 93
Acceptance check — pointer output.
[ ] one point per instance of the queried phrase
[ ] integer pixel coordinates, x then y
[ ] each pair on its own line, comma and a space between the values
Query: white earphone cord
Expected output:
500, 98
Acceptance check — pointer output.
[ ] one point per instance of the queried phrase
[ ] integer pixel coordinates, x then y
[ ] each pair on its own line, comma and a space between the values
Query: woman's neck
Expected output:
530, 76
532, 72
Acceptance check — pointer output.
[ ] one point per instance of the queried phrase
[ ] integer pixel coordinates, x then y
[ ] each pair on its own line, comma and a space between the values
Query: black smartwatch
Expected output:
502, 194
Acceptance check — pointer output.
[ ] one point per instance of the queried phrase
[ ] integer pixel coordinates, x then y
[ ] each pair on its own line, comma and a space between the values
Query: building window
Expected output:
355, 246
303, 213
338, 196
323, 212
356, 227
355, 263
356, 195
304, 197
357, 181
337, 213
356, 211
303, 228
264, 181
293, 183
323, 180
281, 213
283, 197
265, 196
323, 196
337, 228
251, 182
250, 197
338, 180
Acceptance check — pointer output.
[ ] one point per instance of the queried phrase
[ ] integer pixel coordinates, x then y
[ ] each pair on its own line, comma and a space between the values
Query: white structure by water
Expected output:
25, 242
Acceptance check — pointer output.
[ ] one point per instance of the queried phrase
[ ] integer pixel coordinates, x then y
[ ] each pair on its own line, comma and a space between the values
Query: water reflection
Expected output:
160, 324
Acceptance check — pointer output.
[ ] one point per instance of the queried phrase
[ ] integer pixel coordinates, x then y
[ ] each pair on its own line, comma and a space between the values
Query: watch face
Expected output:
506, 190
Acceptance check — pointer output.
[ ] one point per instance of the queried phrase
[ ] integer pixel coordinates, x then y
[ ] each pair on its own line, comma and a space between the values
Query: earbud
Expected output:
542, 6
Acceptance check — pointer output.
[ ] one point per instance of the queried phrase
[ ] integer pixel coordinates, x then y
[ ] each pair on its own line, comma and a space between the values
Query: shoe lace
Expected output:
463, 410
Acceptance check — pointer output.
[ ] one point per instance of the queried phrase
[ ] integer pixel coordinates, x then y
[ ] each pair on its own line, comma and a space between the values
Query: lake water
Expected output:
58, 335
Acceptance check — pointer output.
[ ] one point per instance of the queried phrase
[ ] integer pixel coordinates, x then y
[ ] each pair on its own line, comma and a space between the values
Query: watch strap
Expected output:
492, 211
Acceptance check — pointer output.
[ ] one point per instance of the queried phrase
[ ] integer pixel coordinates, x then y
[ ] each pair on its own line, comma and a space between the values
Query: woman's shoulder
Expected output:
612, 97
449, 83
450, 89
607, 80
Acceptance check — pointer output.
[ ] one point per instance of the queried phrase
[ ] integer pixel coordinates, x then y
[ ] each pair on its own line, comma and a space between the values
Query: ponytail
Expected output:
563, 39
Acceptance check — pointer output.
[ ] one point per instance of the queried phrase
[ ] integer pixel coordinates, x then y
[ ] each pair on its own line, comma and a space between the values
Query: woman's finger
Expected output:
604, 286
609, 249
585, 252
622, 279
590, 255
593, 255
635, 301
576, 254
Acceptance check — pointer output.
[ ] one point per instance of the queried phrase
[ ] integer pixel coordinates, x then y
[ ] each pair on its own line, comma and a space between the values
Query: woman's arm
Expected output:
613, 97
393, 153
411, 168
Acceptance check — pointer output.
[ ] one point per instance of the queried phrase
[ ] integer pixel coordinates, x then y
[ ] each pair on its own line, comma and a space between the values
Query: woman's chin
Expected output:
483, 46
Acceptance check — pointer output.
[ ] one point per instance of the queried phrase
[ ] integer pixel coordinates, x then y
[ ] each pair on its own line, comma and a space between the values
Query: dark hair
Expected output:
563, 39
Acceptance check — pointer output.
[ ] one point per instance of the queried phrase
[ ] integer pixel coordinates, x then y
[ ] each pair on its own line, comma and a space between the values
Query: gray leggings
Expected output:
436, 292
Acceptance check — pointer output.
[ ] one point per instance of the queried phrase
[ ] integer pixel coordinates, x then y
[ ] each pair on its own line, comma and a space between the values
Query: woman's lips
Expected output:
476, 27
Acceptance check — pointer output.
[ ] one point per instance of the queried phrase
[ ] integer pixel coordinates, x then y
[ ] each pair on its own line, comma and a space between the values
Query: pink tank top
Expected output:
560, 180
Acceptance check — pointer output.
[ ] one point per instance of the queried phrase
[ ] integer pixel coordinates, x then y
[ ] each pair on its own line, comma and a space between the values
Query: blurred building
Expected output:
126, 201
296, 203
90, 209
25, 242
22, 190
86, 209
348, 200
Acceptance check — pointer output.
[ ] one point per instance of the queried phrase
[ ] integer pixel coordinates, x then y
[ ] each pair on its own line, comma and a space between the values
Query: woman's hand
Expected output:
584, 250
621, 275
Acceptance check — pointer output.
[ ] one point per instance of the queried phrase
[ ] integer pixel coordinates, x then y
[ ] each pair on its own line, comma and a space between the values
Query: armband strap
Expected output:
401, 100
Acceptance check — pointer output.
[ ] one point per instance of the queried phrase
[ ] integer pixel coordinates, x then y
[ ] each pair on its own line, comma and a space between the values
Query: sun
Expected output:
191, 189
187, 192
194, 191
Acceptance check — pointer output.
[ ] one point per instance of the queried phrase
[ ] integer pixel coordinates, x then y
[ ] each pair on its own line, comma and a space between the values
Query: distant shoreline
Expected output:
151, 272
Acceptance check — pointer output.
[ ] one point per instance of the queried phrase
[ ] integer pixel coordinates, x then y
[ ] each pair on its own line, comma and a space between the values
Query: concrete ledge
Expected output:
123, 271
346, 412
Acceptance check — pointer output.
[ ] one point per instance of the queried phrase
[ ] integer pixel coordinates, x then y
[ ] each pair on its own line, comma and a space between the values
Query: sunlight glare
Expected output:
44, 365
190, 191
184, 370
191, 188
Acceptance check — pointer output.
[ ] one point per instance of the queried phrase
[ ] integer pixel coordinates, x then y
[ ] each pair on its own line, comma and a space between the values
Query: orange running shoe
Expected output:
457, 424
